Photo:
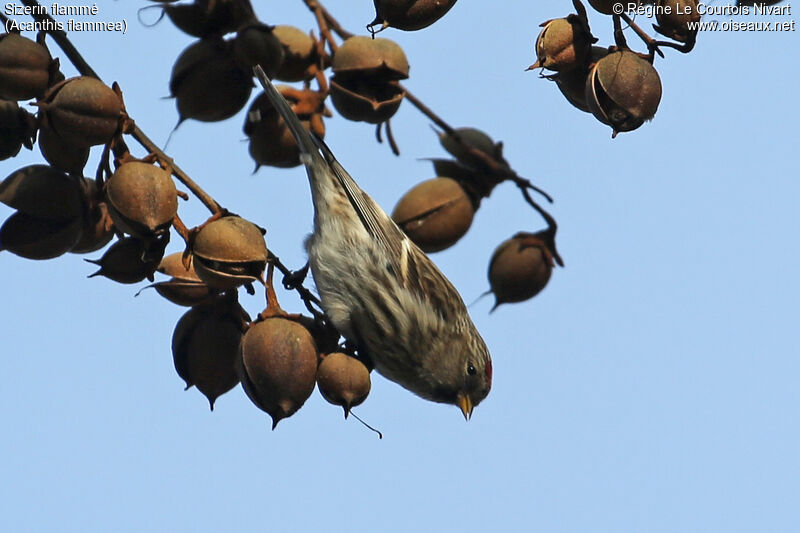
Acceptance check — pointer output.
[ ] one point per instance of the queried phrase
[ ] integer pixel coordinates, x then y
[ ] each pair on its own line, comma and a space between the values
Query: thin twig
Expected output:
315, 6
323, 25
619, 36
653, 44
550, 234
390, 137
427, 111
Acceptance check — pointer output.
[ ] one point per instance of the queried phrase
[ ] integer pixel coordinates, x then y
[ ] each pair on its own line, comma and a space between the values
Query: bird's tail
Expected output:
309, 147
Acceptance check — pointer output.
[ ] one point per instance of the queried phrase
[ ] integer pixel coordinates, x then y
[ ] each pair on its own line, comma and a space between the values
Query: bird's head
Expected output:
460, 373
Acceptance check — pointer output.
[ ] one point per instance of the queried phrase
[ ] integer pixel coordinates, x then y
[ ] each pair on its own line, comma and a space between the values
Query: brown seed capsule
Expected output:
130, 260
184, 293
60, 153
36, 238
254, 45
449, 168
299, 53
434, 214
563, 44
459, 142
572, 83
362, 88
365, 99
185, 288
83, 110
205, 347
674, 18
271, 141
98, 228
142, 199
365, 56
343, 380
43, 192
206, 18
278, 366
229, 252
25, 68
410, 15
207, 83
520, 268
623, 90
325, 335
172, 265
17, 129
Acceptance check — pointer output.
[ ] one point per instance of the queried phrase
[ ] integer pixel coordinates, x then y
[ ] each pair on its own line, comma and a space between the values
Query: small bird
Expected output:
380, 290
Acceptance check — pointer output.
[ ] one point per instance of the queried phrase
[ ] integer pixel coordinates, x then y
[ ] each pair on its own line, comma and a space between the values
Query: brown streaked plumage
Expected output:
380, 290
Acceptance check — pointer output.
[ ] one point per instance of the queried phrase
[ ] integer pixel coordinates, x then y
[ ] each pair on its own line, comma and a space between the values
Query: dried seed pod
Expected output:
98, 228
207, 83
459, 142
184, 293
623, 90
278, 366
572, 83
83, 109
205, 18
32, 237
362, 88
449, 168
43, 192
229, 252
17, 129
205, 347
271, 141
25, 68
365, 99
434, 214
172, 265
60, 153
185, 288
254, 45
563, 44
131, 260
410, 15
365, 56
142, 199
675, 17
326, 337
520, 268
299, 53
343, 380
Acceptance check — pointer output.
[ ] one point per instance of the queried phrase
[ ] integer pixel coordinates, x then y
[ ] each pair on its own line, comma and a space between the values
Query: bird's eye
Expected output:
471, 369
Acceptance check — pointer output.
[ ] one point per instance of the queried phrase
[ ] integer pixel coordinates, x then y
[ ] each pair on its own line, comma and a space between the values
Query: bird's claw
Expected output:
295, 279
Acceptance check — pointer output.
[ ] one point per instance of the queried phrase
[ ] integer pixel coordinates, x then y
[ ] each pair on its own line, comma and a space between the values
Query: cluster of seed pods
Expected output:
58, 210
617, 85
130, 208
363, 87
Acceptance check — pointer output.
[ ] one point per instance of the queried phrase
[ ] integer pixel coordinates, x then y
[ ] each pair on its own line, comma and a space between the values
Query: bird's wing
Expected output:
375, 220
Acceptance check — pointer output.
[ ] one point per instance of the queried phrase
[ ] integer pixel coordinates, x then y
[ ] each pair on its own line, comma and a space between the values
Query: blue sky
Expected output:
652, 386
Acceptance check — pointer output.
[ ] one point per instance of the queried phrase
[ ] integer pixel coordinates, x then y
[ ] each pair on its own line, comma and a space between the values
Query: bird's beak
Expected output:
465, 403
